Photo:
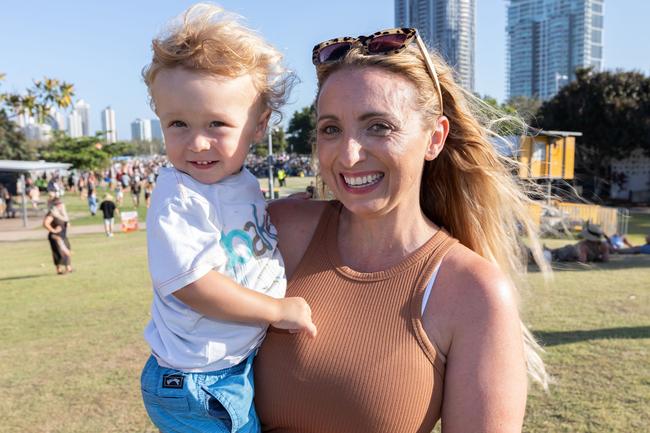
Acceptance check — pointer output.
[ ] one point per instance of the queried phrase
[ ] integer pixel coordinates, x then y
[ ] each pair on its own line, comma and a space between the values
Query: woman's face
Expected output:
372, 141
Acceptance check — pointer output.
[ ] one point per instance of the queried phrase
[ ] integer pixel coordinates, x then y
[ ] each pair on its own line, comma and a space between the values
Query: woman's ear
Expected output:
438, 138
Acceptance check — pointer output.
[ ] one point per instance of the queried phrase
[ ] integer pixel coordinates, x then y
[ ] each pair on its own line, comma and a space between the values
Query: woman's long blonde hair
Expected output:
469, 188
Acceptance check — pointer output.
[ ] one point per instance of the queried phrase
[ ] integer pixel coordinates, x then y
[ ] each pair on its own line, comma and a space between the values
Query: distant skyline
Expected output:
449, 26
101, 47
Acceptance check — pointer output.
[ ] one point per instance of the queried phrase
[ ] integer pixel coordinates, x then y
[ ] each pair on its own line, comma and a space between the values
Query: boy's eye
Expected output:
177, 124
216, 124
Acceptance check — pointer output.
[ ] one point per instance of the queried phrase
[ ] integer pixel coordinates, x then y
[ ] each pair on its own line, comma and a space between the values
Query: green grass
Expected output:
72, 348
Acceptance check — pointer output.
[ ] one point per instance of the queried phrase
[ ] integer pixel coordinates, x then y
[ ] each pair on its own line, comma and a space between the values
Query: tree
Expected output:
84, 153
525, 107
503, 117
39, 98
37, 102
611, 109
12, 142
279, 141
301, 131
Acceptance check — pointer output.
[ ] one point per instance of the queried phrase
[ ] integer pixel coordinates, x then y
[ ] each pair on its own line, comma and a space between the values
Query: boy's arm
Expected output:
217, 296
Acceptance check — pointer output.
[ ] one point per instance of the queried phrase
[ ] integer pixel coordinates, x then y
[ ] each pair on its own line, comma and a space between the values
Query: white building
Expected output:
636, 172
22, 120
108, 124
156, 130
83, 109
141, 130
38, 132
75, 125
449, 26
56, 119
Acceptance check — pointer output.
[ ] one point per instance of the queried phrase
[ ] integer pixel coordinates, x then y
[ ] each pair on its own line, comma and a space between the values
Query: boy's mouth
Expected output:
202, 164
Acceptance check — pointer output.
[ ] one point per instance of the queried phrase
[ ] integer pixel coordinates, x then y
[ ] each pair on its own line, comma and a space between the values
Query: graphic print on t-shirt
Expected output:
254, 245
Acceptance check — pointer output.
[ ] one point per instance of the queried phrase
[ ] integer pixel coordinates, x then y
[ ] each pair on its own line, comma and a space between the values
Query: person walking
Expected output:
56, 222
109, 209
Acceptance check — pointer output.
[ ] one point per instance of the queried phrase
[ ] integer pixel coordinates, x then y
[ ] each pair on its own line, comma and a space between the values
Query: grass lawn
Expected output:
72, 347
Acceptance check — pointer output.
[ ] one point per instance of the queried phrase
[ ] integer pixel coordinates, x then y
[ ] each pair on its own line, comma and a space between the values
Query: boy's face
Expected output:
208, 121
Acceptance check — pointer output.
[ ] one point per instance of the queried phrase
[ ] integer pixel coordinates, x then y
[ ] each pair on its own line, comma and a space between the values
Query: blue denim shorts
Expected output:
217, 401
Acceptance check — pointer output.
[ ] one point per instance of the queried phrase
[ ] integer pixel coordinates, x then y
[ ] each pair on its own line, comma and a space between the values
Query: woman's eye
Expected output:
177, 124
329, 130
380, 128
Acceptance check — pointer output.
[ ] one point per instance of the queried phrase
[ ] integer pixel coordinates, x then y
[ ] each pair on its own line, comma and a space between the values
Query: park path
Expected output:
12, 230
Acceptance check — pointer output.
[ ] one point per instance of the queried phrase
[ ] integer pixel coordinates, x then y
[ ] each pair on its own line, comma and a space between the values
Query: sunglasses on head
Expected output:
383, 42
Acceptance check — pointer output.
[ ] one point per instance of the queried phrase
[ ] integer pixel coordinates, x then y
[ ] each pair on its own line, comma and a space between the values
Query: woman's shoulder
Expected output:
291, 212
296, 222
469, 289
472, 269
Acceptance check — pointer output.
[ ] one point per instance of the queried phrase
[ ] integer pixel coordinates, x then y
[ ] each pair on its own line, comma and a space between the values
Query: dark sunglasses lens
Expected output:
386, 43
334, 52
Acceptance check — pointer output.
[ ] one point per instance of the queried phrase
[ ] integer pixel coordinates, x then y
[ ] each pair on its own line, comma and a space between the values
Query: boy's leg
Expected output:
199, 402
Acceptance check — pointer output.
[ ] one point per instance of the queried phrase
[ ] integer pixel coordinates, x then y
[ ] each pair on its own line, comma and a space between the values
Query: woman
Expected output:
56, 223
592, 248
413, 325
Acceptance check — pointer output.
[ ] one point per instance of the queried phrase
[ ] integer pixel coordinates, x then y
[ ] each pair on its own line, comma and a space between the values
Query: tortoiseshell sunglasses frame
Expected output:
364, 41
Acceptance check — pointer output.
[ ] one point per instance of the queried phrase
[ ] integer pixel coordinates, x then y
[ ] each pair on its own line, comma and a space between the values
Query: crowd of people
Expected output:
290, 164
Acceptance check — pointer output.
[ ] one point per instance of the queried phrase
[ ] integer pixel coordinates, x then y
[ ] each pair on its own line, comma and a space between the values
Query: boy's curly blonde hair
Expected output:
205, 38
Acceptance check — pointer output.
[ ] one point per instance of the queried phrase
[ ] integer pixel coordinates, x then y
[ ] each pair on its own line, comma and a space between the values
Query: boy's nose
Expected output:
199, 143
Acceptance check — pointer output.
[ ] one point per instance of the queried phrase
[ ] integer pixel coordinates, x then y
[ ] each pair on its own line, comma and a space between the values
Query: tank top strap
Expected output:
438, 252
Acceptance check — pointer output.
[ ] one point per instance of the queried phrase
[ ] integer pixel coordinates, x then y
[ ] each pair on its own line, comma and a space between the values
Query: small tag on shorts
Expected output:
173, 381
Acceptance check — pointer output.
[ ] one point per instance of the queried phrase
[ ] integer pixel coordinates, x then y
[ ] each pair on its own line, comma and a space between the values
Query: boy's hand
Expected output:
295, 316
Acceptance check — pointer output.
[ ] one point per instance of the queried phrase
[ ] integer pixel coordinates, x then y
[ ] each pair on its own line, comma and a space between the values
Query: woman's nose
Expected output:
352, 152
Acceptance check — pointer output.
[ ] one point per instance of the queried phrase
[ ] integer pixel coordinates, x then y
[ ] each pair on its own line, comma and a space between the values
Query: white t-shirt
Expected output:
193, 228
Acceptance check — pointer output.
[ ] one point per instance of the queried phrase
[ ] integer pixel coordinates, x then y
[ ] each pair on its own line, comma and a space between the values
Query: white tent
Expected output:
22, 167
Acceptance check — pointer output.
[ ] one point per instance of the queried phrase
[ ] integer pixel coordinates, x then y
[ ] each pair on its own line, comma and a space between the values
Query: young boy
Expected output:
109, 209
217, 274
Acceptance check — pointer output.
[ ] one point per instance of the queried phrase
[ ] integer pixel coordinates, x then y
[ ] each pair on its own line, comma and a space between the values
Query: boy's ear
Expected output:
262, 124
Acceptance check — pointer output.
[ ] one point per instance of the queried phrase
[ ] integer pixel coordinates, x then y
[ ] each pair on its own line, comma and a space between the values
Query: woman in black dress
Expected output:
56, 223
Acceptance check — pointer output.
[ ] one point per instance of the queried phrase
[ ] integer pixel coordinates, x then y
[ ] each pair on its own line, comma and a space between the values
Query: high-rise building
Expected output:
446, 25
56, 119
83, 109
24, 119
75, 125
141, 130
548, 40
108, 124
156, 130
38, 132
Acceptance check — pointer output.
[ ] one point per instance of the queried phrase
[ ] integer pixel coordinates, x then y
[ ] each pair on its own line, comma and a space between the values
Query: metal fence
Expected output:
569, 218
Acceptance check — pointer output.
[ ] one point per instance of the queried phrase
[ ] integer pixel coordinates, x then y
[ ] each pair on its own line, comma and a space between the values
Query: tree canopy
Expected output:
302, 127
611, 109
36, 101
84, 153
12, 141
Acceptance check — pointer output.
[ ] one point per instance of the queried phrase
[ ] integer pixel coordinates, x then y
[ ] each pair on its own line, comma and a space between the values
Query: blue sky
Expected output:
101, 47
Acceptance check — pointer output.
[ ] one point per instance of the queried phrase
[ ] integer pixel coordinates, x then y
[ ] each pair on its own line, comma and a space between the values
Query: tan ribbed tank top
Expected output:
371, 369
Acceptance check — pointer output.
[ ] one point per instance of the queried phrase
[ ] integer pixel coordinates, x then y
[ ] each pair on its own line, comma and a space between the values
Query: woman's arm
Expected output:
47, 223
485, 382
